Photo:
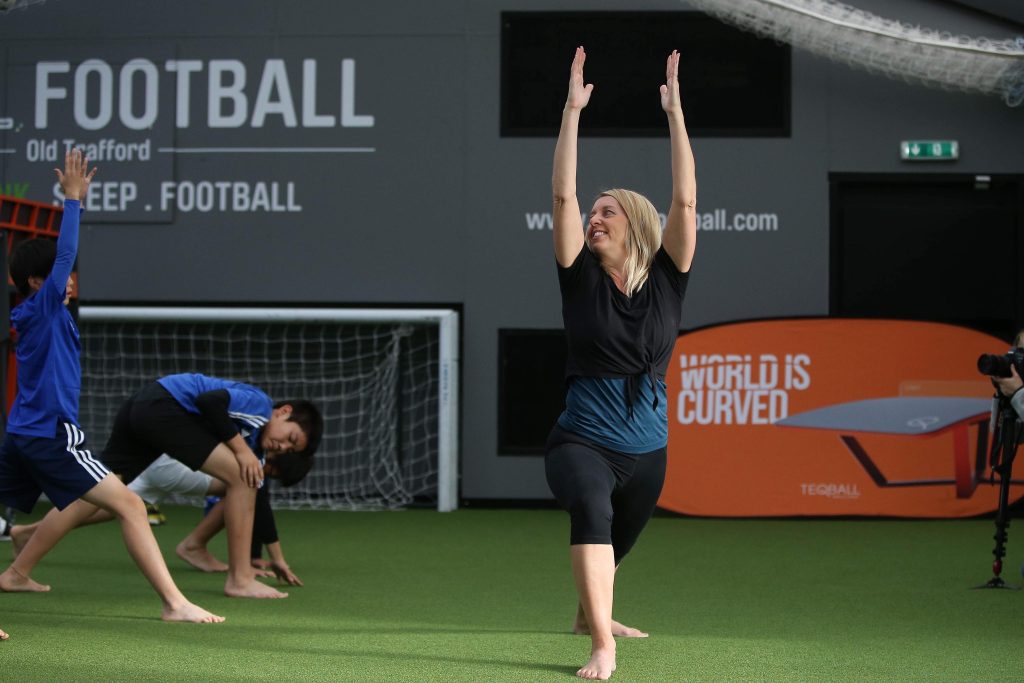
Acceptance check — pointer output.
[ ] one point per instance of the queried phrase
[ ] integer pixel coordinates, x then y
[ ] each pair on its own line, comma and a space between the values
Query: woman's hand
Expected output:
670, 101
579, 93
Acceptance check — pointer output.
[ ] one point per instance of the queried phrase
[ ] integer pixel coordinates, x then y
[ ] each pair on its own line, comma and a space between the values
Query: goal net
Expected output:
385, 380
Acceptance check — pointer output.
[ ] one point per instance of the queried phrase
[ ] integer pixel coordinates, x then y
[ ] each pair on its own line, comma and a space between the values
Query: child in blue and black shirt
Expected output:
209, 424
217, 426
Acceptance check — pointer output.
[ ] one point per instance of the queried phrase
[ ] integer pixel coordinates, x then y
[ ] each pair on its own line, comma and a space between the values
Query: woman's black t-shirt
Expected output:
620, 341
611, 335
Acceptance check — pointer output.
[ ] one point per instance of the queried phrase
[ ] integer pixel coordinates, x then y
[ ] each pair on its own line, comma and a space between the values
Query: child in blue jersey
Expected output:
209, 424
44, 449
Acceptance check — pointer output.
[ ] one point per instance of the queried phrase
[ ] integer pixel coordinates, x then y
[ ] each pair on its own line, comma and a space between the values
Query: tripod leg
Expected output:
1004, 468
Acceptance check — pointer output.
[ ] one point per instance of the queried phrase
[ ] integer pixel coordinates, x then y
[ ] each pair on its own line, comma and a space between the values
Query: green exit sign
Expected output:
929, 150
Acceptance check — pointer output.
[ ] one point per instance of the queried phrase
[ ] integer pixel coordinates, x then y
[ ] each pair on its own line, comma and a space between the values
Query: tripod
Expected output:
1005, 435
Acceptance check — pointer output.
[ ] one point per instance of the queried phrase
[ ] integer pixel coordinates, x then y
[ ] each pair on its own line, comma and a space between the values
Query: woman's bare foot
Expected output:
581, 628
600, 666
200, 558
13, 581
20, 533
252, 589
191, 613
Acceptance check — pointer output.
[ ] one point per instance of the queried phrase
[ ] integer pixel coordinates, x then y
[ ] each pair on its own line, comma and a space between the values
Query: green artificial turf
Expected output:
486, 595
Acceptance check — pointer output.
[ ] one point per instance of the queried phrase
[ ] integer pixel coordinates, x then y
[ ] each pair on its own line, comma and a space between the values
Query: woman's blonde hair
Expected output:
643, 240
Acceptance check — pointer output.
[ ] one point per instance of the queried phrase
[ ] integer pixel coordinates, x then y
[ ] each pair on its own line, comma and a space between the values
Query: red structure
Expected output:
22, 219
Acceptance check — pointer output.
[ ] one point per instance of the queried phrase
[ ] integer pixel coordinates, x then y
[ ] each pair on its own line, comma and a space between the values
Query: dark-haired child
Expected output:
44, 448
208, 424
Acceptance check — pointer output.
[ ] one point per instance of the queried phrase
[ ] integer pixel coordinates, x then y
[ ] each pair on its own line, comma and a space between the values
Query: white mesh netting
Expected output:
898, 50
8, 5
376, 385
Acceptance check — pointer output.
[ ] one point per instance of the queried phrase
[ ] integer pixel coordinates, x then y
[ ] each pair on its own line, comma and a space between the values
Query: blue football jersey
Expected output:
249, 408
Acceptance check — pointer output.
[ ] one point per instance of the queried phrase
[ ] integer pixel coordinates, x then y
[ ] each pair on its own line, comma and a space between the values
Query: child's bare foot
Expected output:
600, 666
200, 558
191, 613
20, 533
582, 628
252, 589
3, 635
12, 581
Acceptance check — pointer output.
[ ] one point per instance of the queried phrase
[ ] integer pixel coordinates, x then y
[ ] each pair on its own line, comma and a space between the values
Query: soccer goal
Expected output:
386, 381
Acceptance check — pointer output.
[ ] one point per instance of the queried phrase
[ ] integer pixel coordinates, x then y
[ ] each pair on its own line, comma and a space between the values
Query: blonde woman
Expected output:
622, 282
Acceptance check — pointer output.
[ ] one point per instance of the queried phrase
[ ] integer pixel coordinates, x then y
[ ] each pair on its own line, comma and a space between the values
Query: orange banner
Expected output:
830, 417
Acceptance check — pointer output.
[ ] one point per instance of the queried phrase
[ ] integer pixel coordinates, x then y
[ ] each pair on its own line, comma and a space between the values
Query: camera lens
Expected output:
993, 365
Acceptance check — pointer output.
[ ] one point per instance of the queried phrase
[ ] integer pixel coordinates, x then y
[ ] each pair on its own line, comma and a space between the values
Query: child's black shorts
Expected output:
153, 422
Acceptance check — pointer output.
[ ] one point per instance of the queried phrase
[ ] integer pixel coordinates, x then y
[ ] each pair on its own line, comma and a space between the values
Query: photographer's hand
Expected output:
1008, 386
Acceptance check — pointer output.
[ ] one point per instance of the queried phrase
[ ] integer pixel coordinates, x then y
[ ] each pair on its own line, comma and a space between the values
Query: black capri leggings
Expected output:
609, 495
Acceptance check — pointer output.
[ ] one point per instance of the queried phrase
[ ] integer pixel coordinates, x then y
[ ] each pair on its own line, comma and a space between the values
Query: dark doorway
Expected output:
937, 247
531, 388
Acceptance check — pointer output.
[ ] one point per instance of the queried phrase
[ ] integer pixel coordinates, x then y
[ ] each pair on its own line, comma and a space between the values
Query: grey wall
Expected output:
436, 212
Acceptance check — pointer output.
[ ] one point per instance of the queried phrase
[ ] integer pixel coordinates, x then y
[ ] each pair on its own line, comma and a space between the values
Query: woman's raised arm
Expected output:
568, 226
680, 236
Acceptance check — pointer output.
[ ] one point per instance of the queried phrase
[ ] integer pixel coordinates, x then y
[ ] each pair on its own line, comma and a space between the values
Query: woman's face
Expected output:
607, 230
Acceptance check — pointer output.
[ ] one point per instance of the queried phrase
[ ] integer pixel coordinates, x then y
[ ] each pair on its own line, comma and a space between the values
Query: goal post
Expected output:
386, 380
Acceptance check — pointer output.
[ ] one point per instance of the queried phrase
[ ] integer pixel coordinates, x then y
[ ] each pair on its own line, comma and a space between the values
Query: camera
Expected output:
999, 366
